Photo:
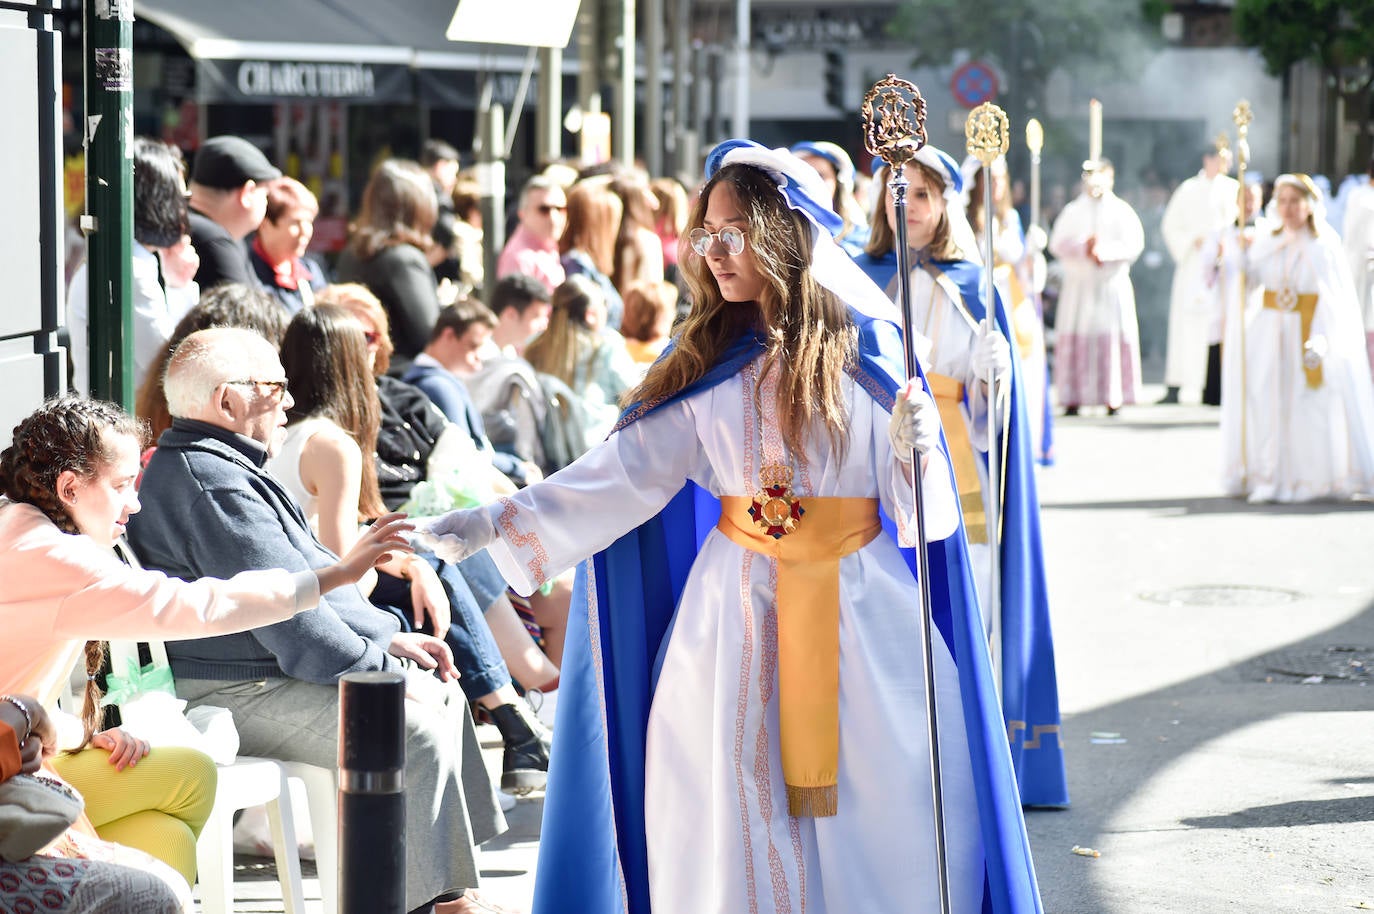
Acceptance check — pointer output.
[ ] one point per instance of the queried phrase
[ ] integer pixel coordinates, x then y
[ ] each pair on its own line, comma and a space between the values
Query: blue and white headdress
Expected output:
806, 193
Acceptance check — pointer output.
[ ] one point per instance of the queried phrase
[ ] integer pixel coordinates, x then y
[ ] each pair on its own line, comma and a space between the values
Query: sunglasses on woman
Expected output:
730, 237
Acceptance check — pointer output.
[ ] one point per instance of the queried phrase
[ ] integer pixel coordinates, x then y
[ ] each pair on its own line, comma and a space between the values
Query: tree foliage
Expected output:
1031, 38
1337, 35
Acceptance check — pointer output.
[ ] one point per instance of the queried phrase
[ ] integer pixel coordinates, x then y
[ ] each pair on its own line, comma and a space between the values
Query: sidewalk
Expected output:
507, 862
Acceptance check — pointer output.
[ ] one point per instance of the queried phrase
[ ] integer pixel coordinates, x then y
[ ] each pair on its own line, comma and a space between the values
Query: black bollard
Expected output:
372, 809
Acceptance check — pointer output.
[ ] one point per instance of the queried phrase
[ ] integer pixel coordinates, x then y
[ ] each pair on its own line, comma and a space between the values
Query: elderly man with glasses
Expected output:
211, 509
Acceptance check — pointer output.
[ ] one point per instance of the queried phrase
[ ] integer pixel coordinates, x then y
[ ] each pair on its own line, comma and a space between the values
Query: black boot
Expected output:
525, 766
1170, 397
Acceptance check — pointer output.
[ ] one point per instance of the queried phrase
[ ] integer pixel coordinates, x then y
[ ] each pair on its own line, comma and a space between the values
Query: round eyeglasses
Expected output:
730, 238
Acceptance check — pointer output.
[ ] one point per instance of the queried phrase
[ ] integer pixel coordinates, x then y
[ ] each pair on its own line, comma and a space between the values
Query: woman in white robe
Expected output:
1096, 336
1309, 408
720, 833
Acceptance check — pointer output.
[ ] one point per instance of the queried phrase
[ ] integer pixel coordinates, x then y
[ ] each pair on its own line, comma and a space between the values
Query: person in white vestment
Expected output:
1357, 234
1224, 260
729, 824
1308, 410
962, 352
1200, 206
1097, 237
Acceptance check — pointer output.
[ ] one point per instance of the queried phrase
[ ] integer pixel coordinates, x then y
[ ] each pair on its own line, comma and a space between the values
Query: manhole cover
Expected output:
1222, 595
1339, 662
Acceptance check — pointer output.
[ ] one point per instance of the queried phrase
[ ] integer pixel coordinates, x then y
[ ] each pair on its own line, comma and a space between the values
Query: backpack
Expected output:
532, 415
563, 433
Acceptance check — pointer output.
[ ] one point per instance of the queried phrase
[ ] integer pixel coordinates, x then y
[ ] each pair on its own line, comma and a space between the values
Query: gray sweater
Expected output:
210, 509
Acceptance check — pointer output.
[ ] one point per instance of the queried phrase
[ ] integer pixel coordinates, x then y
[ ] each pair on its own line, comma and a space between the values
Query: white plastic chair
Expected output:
247, 782
322, 798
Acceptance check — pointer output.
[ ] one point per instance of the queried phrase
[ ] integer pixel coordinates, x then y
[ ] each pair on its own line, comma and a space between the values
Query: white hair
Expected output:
205, 360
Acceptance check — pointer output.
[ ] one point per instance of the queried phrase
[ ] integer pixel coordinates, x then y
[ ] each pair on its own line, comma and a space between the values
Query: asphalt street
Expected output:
1214, 662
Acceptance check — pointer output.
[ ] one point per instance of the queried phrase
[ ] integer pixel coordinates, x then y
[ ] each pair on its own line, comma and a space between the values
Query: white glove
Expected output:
991, 352
458, 534
1036, 239
915, 422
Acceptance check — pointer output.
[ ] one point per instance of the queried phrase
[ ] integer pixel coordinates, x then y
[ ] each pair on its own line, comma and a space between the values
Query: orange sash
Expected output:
808, 607
949, 395
1306, 306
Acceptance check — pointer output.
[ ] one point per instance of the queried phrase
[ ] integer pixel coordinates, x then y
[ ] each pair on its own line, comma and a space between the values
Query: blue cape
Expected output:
592, 852
1030, 691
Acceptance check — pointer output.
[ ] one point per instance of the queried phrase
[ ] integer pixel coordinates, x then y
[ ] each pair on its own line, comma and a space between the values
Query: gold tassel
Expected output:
812, 802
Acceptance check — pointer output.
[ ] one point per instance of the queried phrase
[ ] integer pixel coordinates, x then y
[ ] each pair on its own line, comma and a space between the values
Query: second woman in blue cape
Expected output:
742, 716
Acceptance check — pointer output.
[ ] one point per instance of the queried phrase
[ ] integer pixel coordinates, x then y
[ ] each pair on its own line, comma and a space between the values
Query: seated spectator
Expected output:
77, 874
210, 507
454, 354
68, 486
229, 178
228, 304
670, 220
579, 350
388, 253
533, 247
162, 267
278, 249
589, 241
649, 312
411, 428
441, 161
638, 249
332, 425
467, 236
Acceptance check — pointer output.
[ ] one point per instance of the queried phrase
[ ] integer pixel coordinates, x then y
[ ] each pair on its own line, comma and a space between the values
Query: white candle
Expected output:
1094, 130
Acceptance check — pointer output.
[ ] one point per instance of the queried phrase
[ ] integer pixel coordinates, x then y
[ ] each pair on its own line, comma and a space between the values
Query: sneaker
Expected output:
545, 707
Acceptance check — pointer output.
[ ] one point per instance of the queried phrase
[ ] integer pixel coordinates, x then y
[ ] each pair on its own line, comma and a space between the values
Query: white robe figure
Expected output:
1199, 207
1304, 443
938, 315
1096, 335
1223, 257
718, 834
156, 311
1357, 234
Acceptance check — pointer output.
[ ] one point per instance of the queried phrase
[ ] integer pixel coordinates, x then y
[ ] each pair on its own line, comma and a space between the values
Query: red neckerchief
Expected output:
291, 273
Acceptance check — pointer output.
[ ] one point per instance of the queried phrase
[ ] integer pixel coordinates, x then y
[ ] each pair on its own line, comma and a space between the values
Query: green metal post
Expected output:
109, 218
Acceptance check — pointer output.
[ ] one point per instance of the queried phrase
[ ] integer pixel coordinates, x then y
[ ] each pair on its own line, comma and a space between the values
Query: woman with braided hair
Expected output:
68, 487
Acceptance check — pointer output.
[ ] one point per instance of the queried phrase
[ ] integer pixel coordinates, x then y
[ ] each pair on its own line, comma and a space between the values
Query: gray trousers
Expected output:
450, 803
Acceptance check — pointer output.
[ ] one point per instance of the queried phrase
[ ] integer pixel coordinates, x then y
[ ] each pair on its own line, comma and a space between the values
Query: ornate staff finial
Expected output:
1242, 117
988, 133
894, 114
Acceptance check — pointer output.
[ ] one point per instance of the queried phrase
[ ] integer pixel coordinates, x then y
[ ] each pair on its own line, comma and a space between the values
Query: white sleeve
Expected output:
941, 515
552, 525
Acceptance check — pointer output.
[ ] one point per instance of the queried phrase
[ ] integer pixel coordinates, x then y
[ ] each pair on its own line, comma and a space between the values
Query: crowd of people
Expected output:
697, 397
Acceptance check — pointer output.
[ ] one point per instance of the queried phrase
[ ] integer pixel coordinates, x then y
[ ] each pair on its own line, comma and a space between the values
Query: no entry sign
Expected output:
973, 83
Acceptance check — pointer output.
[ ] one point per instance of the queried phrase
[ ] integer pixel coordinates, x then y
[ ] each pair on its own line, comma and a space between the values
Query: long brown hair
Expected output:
594, 212
808, 336
399, 207
325, 357
568, 341
66, 433
882, 240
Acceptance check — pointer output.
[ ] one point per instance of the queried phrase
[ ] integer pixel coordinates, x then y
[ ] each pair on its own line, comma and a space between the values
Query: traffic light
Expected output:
834, 79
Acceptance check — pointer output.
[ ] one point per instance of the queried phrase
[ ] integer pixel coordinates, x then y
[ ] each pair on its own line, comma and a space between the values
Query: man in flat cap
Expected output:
229, 180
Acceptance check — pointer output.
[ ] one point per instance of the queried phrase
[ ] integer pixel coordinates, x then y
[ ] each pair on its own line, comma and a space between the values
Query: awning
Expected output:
294, 50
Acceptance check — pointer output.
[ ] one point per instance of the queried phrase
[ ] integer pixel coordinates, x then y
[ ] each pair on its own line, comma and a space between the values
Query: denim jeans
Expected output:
479, 662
